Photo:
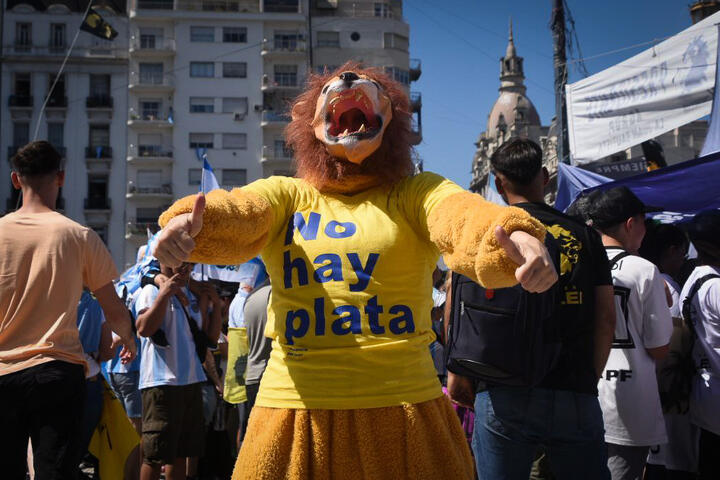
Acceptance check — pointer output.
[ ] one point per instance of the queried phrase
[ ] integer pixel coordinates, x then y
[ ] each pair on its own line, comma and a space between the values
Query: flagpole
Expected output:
62, 67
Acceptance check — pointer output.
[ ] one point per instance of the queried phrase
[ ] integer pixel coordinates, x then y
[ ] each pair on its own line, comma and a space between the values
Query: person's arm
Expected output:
105, 350
213, 327
149, 319
211, 370
604, 325
118, 319
658, 353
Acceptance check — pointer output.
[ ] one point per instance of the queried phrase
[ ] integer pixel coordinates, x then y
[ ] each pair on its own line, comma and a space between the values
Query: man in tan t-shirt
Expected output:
45, 260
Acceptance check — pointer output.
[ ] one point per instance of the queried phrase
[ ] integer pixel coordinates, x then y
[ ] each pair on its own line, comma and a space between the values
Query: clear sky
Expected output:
460, 43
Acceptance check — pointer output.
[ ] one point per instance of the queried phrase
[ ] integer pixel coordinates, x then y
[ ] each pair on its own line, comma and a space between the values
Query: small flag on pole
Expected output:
208, 181
97, 26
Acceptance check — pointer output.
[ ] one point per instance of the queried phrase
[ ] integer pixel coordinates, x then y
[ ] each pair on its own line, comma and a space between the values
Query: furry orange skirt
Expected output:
422, 441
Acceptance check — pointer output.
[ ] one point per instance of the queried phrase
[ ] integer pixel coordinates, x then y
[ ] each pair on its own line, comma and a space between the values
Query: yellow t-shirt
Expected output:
349, 313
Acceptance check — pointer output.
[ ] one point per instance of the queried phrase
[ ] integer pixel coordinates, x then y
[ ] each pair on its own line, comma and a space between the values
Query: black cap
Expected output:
610, 207
704, 232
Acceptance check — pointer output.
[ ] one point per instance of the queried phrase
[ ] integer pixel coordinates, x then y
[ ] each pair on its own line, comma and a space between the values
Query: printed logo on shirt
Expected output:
623, 337
619, 375
570, 248
328, 267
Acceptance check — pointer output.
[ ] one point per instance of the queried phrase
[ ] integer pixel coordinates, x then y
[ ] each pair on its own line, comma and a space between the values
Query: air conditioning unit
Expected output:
238, 116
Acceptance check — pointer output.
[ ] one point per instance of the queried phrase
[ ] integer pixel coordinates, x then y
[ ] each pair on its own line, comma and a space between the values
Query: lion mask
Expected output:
350, 130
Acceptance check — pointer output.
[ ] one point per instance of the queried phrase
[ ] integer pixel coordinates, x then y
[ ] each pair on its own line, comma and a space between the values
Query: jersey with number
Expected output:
705, 313
628, 389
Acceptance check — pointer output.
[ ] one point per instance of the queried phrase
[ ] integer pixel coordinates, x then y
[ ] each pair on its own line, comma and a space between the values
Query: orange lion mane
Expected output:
390, 163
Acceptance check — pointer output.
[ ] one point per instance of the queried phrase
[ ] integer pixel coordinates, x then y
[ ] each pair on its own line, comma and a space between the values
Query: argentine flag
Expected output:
208, 182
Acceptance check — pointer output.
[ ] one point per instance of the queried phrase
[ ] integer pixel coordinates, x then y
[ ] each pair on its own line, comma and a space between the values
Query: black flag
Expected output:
95, 24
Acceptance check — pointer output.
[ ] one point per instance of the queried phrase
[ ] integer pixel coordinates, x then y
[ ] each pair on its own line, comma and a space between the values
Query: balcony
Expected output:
98, 204
276, 155
151, 83
57, 101
283, 48
280, 83
281, 6
415, 133
153, 4
99, 102
149, 119
415, 69
156, 47
415, 101
150, 154
274, 118
20, 101
98, 152
149, 191
136, 231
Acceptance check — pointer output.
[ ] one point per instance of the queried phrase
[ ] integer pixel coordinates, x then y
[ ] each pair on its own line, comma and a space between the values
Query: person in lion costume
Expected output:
350, 244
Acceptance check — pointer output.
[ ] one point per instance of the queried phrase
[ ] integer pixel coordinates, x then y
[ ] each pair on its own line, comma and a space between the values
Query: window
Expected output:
23, 37
382, 10
234, 177
286, 40
150, 109
328, 39
201, 140
100, 86
151, 38
57, 37
102, 232
393, 40
202, 105
234, 69
286, 75
97, 191
149, 179
234, 34
400, 75
99, 136
56, 134
151, 144
202, 69
280, 6
281, 149
202, 34
21, 134
57, 98
151, 73
194, 176
236, 141
322, 69
235, 104
22, 84
148, 214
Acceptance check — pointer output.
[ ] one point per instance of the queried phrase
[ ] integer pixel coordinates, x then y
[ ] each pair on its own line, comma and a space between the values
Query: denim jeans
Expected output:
512, 422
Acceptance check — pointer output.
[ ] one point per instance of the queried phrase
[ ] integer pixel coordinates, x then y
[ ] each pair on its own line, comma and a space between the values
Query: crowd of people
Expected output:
631, 392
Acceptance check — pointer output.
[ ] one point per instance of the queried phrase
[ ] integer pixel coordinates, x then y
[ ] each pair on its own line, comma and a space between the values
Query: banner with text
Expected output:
664, 87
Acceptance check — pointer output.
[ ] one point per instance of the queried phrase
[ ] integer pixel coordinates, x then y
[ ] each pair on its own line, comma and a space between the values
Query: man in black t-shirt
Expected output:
562, 414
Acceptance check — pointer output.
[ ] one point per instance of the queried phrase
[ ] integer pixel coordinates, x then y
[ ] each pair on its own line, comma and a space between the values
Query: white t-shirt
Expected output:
675, 310
177, 363
628, 390
705, 312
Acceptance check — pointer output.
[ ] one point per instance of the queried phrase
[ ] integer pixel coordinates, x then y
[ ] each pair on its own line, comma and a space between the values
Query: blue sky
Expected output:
460, 43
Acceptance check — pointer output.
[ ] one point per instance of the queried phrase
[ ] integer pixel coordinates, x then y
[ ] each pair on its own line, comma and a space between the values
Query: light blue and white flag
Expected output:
208, 181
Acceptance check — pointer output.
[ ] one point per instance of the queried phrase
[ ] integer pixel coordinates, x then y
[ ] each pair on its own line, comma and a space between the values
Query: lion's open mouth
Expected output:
350, 113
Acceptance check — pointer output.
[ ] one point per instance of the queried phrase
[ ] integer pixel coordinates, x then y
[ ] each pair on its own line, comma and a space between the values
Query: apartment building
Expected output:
85, 116
215, 77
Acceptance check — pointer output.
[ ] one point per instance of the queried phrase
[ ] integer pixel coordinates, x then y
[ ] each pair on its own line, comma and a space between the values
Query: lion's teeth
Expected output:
345, 133
362, 128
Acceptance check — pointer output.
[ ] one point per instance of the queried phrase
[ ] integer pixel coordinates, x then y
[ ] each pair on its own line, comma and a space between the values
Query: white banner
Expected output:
664, 87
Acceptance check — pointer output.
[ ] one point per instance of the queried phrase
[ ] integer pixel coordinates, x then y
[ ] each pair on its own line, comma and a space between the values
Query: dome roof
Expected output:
512, 107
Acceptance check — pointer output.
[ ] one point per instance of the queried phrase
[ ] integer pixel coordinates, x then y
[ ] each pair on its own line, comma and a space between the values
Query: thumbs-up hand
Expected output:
175, 243
536, 272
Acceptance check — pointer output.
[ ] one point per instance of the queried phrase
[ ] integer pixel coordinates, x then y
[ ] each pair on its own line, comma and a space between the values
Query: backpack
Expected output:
676, 373
504, 336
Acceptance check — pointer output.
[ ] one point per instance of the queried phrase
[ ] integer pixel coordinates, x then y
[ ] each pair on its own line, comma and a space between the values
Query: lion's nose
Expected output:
348, 77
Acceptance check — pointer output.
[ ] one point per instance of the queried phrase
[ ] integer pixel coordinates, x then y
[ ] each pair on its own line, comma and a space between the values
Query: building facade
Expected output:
85, 114
185, 78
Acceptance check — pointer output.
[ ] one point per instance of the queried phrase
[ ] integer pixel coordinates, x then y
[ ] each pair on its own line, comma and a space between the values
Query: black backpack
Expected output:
504, 336
676, 373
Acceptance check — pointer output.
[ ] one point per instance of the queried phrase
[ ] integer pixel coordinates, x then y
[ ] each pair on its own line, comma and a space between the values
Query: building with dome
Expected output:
512, 115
